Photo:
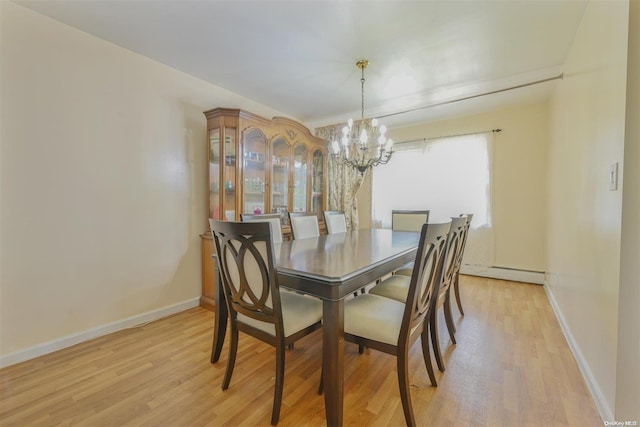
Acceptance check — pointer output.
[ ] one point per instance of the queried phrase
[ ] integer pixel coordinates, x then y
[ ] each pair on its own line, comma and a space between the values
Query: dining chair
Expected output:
255, 303
304, 224
396, 287
391, 326
444, 295
273, 219
408, 220
335, 221
463, 244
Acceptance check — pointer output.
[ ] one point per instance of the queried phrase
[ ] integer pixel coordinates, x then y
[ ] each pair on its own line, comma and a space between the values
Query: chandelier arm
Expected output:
360, 138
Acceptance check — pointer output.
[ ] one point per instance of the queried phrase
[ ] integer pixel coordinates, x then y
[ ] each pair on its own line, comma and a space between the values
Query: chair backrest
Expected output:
304, 224
246, 260
463, 244
335, 222
426, 277
454, 244
273, 219
402, 220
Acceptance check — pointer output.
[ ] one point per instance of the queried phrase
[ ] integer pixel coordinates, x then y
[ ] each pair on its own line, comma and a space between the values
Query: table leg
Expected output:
220, 316
333, 360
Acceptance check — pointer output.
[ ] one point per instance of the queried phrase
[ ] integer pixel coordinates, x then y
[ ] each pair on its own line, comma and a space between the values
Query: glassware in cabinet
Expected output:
230, 184
300, 178
255, 180
214, 173
317, 182
280, 154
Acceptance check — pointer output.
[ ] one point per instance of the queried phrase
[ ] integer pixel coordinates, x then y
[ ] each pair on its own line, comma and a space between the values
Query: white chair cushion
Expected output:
405, 270
336, 223
305, 226
276, 230
298, 312
408, 221
374, 317
395, 287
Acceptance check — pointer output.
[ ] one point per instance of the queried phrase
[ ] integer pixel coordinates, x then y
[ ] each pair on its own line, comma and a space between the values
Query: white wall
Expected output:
584, 217
101, 205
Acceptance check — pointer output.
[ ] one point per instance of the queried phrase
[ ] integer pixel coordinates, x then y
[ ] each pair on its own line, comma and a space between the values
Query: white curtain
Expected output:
449, 176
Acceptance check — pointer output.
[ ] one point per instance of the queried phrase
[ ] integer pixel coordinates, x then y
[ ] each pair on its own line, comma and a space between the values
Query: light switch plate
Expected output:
613, 176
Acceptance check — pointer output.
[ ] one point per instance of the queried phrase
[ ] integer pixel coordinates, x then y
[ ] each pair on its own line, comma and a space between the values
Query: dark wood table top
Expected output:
334, 265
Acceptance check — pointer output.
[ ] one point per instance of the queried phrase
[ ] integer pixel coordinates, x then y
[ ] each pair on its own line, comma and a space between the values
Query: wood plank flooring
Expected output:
511, 367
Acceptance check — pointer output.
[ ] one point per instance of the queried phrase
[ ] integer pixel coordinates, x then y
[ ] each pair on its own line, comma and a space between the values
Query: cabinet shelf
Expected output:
254, 163
225, 192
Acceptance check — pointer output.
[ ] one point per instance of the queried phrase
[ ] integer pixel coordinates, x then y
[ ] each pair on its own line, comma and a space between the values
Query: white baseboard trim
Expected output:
502, 273
68, 341
592, 385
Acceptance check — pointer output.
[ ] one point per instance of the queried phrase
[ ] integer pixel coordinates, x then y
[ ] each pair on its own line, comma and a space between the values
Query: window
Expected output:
449, 176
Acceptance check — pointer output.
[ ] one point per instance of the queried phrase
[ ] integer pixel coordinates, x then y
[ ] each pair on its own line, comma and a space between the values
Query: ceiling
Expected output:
299, 56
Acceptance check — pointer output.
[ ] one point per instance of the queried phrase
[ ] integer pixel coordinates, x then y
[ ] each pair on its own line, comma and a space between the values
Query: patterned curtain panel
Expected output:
344, 181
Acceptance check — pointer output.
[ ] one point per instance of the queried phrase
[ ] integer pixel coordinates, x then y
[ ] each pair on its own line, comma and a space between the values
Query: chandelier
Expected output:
363, 144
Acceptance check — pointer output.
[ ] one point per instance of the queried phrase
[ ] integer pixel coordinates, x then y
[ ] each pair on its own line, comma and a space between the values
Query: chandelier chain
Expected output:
362, 95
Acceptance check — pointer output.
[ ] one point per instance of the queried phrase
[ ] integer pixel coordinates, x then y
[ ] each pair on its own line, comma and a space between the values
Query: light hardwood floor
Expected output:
511, 367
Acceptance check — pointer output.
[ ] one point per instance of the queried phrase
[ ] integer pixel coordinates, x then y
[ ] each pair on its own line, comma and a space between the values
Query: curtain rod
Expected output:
447, 136
559, 76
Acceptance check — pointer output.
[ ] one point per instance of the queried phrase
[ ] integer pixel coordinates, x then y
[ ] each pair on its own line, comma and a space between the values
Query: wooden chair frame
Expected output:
456, 283
444, 299
423, 291
235, 242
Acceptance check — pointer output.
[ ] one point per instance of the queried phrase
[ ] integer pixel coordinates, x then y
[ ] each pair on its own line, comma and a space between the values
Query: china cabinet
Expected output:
258, 165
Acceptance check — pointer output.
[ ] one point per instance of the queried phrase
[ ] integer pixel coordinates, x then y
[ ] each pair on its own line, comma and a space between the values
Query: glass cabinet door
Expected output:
230, 183
255, 149
280, 179
300, 178
214, 173
317, 183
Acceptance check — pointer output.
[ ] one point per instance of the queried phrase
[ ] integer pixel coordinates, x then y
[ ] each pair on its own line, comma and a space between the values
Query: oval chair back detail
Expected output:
335, 221
391, 326
402, 220
456, 282
443, 299
255, 303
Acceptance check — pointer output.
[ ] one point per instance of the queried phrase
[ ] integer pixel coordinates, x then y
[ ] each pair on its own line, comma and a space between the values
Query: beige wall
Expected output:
584, 217
101, 205
519, 178
628, 369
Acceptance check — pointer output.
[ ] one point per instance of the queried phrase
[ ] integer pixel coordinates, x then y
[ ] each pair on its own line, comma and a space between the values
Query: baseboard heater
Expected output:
504, 273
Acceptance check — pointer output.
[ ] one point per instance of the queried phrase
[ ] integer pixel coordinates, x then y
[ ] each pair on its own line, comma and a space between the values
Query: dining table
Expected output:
331, 267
